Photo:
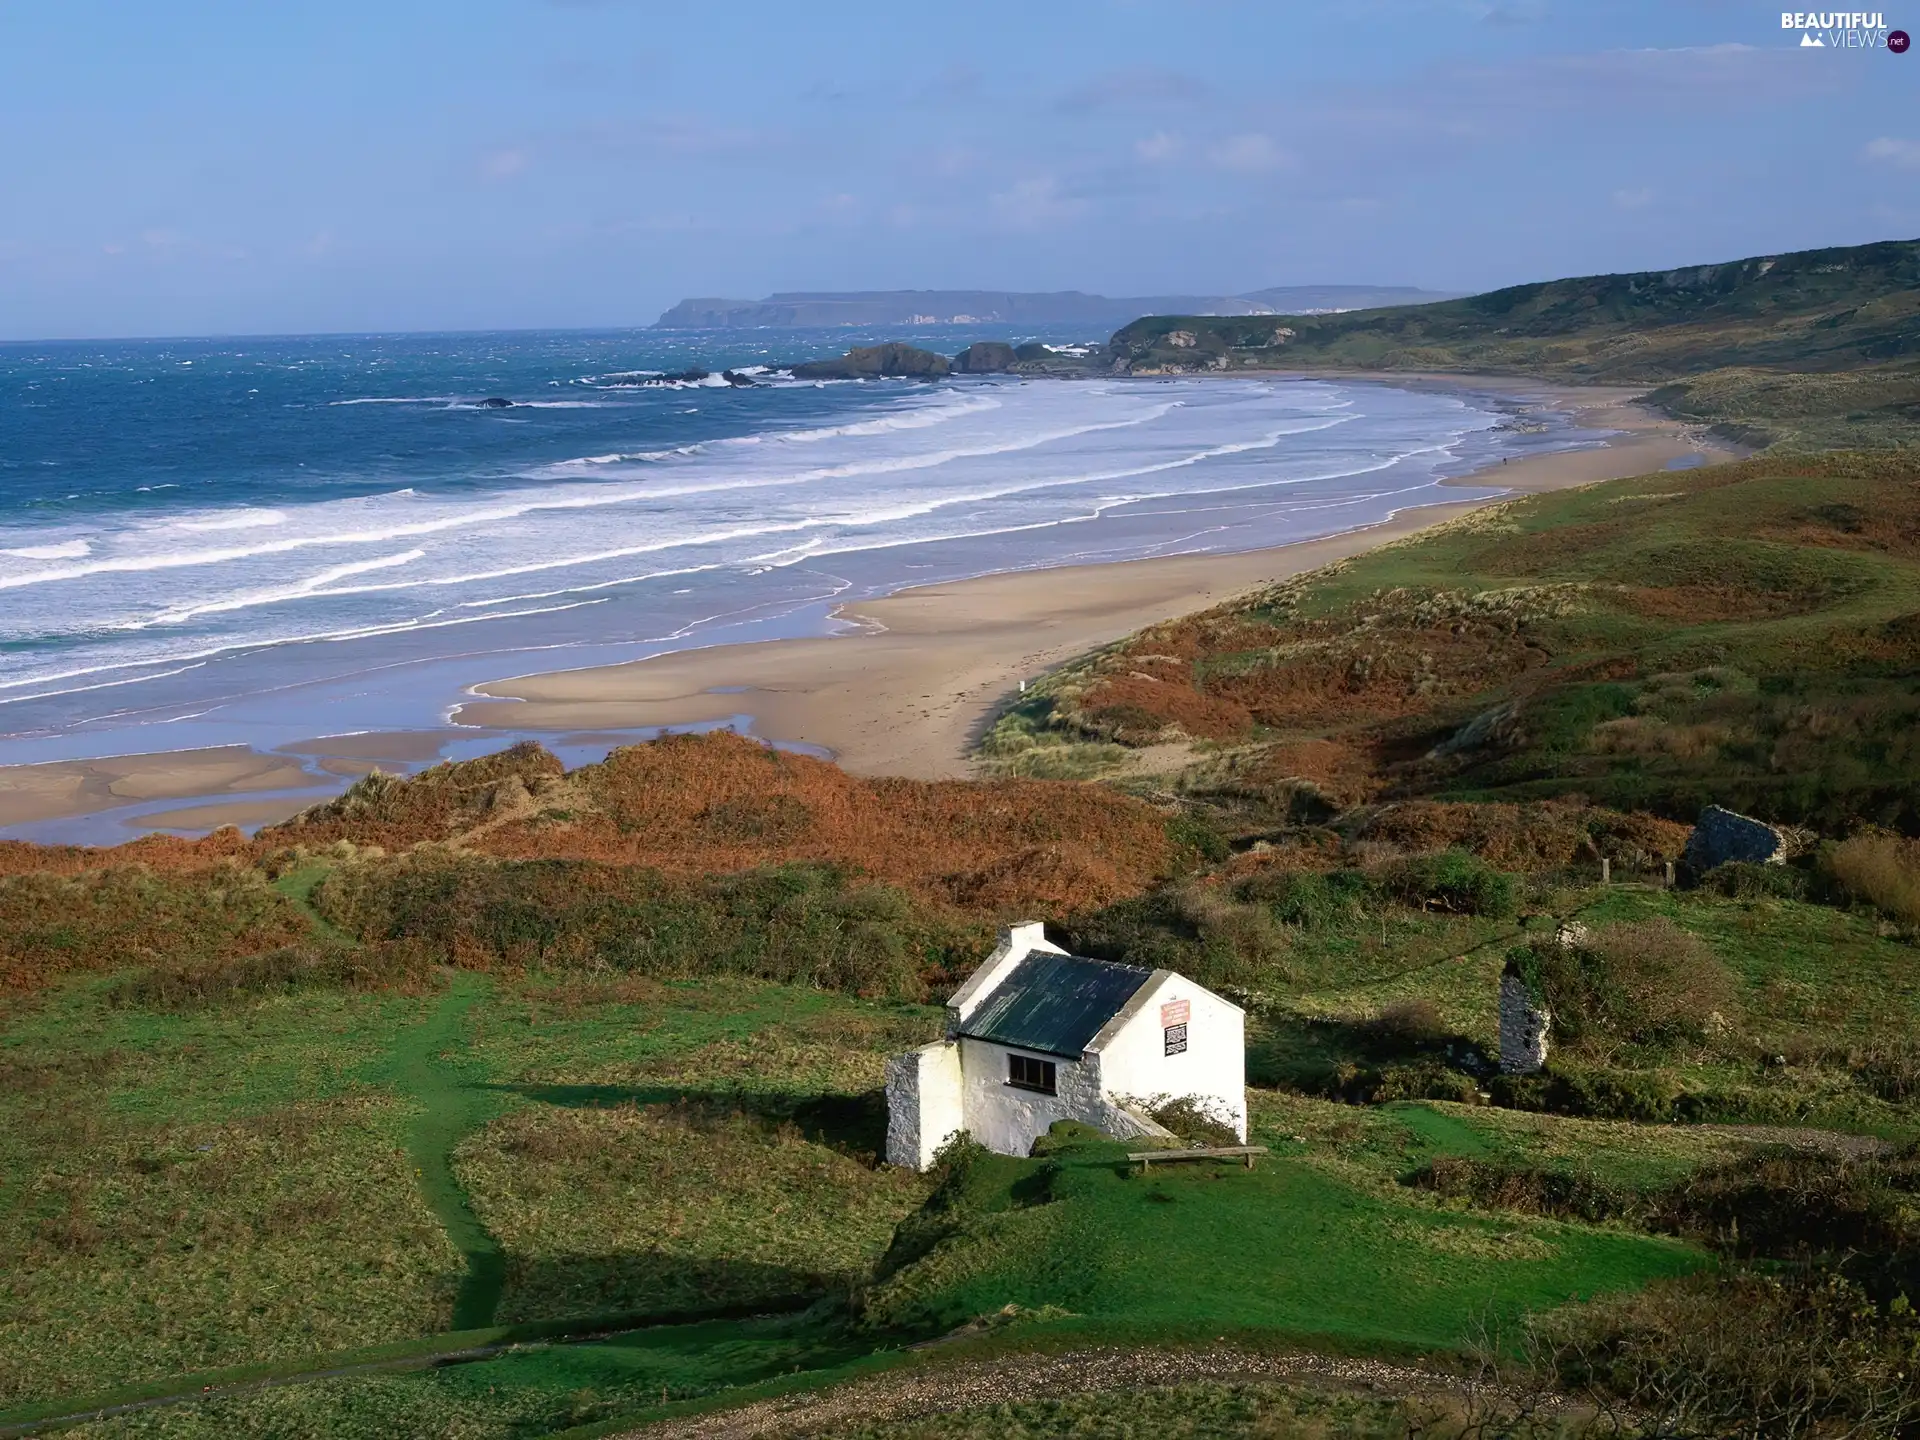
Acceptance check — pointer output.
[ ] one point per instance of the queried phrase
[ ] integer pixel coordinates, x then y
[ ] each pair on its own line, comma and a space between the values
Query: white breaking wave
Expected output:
911, 465
237, 520
399, 400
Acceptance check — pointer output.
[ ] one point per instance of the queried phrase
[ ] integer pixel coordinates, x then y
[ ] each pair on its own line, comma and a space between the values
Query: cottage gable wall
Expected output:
1213, 1067
926, 1103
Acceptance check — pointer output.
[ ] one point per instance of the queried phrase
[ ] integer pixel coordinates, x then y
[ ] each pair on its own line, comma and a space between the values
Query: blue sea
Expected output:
263, 540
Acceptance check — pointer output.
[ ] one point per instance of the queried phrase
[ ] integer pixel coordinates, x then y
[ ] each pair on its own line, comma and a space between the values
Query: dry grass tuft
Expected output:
1883, 870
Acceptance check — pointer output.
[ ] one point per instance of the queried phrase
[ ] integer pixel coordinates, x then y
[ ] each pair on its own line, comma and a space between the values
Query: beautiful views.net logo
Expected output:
1843, 30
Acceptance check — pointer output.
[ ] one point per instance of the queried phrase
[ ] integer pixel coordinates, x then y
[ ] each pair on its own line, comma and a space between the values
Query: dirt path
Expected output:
1798, 1137
910, 1394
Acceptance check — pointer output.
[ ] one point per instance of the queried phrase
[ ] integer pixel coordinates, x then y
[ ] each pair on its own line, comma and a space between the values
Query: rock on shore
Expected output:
892, 360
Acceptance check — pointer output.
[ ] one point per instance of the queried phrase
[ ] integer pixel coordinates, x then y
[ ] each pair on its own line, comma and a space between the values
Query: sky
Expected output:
206, 167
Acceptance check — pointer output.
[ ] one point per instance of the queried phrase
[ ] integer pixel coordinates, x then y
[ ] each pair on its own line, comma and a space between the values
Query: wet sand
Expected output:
83, 787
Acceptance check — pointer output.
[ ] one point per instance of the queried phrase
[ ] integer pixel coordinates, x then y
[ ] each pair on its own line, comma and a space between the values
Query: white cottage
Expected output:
1037, 1035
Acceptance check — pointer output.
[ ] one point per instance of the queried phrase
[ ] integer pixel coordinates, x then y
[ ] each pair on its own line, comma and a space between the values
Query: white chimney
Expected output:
1016, 942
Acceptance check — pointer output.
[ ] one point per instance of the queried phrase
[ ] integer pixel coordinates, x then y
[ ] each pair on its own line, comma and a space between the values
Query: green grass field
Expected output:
270, 1180
1291, 1246
264, 1180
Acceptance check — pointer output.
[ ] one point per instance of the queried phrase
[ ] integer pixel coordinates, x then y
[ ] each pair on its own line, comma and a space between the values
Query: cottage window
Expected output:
1027, 1073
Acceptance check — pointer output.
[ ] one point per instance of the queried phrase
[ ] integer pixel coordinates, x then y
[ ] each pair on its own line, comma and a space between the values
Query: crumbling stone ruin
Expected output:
1524, 1023
1721, 836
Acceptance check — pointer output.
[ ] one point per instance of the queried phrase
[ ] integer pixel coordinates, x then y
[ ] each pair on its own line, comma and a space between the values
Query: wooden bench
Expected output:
1213, 1152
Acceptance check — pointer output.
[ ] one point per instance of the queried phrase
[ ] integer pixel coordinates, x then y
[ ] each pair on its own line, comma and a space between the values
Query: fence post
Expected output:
1669, 874
1606, 871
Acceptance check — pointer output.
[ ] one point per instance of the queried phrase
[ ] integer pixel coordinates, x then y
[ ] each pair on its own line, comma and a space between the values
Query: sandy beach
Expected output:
922, 671
903, 691
83, 787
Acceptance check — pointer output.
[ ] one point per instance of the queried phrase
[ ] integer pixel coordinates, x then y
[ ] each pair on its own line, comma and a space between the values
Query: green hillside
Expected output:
1817, 349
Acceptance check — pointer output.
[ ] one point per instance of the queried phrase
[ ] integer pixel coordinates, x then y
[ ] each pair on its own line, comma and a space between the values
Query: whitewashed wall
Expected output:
925, 1103
1134, 1064
1006, 1118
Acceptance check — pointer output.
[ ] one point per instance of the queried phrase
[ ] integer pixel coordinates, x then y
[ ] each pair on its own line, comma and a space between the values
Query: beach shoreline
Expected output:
905, 688
918, 674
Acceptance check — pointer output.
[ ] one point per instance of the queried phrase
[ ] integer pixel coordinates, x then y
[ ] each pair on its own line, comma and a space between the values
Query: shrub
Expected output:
1596, 1094
1647, 982
792, 923
189, 985
1735, 1353
1743, 880
1889, 1068
1407, 1025
1644, 1095
1189, 832
1883, 870
1240, 941
1453, 881
127, 915
1356, 1082
1310, 899
1193, 1122
1781, 1204
1528, 1189
1426, 1079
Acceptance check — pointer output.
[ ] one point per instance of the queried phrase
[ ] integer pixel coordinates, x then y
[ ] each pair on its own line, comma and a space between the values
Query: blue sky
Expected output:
205, 167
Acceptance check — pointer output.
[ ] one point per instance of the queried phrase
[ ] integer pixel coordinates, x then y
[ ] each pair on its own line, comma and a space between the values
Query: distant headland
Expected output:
798, 309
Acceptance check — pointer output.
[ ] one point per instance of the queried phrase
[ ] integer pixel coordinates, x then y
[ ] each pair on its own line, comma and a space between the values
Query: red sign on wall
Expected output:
1175, 1012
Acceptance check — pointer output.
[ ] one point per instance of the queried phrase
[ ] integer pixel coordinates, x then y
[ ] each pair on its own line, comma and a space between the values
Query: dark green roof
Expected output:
1054, 1003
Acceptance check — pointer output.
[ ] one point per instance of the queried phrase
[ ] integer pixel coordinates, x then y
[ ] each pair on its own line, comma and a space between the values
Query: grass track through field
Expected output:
426, 1066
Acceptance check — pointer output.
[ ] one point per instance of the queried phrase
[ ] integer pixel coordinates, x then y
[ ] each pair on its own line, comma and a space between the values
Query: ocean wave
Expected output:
889, 465
398, 400
64, 550
323, 584
618, 456
237, 520
197, 659
599, 496
919, 418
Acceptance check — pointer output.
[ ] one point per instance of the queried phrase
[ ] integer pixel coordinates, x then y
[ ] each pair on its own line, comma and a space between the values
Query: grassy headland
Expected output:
1815, 349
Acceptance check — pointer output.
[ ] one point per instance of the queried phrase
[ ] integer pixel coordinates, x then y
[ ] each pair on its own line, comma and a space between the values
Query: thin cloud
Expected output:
1889, 150
1157, 148
1633, 199
1037, 203
1251, 154
505, 164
